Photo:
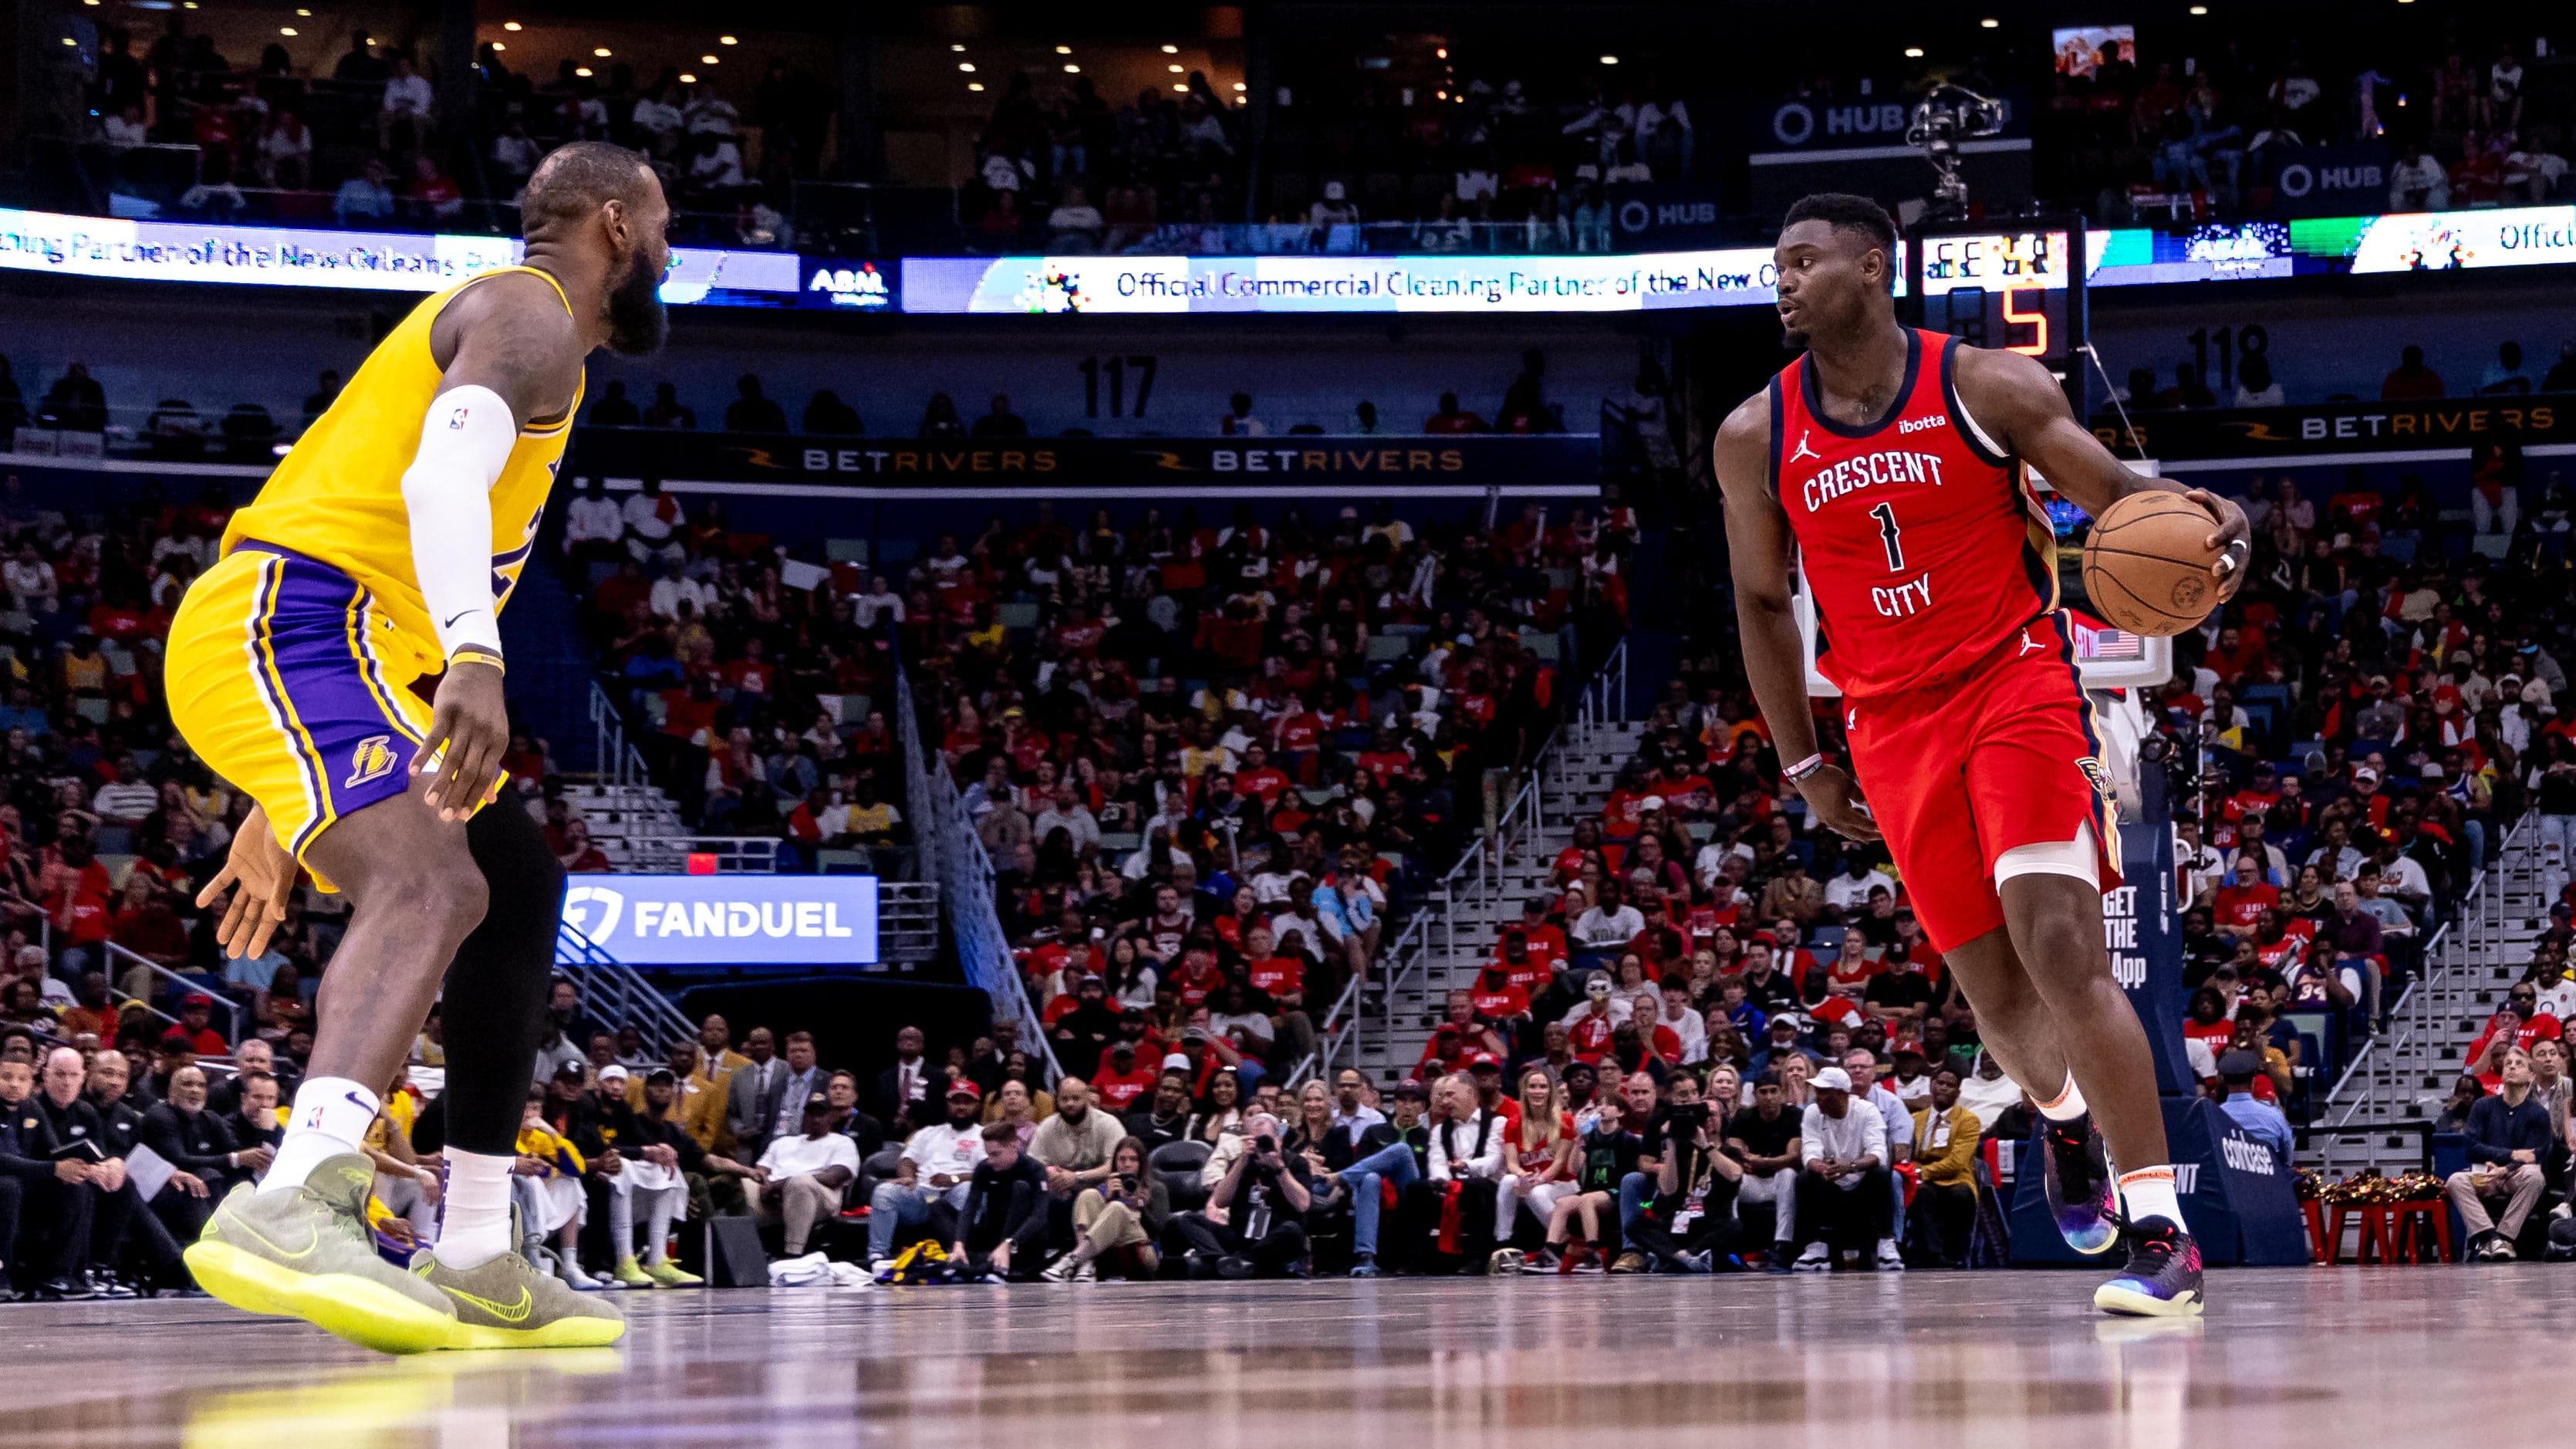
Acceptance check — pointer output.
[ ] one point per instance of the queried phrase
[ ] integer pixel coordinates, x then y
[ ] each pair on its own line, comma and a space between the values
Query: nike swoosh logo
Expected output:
452, 618
510, 1313
312, 1241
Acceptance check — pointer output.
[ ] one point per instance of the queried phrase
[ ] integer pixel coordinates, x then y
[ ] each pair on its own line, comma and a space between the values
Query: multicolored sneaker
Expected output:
2083, 1200
2163, 1276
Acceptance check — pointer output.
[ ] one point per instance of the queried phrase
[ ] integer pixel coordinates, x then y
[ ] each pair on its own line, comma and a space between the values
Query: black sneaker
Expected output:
66, 1290
2163, 1276
2082, 1199
1234, 1267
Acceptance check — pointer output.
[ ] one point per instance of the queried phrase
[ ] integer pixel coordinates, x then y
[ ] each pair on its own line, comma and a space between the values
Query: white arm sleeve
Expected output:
464, 443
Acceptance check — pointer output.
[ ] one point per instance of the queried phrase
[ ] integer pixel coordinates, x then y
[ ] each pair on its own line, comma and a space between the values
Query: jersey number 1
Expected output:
1885, 513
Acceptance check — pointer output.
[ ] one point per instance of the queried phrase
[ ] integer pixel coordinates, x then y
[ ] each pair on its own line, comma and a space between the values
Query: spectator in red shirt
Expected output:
1259, 779
2412, 381
193, 1031
2241, 902
1122, 1079
1452, 418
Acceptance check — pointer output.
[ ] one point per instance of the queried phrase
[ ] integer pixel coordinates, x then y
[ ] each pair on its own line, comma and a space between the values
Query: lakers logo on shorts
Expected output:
2099, 773
372, 759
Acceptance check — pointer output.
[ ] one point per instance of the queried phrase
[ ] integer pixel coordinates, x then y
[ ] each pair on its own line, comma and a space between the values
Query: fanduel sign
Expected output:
727, 920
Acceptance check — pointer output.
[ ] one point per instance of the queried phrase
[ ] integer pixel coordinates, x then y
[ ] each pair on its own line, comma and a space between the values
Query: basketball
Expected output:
2147, 562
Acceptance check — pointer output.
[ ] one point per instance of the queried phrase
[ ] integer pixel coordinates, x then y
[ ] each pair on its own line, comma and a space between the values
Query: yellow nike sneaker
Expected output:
306, 1253
507, 1303
630, 1274
667, 1274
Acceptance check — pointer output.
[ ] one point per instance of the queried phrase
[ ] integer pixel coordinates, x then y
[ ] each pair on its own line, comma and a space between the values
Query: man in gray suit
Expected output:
803, 1080
753, 1096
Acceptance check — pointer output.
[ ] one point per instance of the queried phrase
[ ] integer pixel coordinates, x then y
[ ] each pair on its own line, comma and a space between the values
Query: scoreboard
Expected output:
2019, 290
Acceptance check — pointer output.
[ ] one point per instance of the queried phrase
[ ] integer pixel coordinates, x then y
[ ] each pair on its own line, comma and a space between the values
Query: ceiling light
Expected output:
1181, 86
2200, 10
1441, 54
306, 13
1171, 50
511, 26
729, 40
688, 77
286, 30
582, 70
1174, 69
498, 47
1914, 52
93, 2
187, 4
1609, 60
1991, 23
601, 51
67, 40
1073, 70
1064, 50
967, 66
1440, 95
957, 49
706, 60
1238, 85
974, 85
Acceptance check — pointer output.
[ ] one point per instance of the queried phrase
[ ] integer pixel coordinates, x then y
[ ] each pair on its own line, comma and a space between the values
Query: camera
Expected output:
1128, 1181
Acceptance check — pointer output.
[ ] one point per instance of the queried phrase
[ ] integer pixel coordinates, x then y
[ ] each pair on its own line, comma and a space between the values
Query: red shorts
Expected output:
1957, 773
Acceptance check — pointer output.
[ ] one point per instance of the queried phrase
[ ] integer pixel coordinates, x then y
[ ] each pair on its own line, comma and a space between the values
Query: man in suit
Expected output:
804, 1079
907, 1096
753, 1095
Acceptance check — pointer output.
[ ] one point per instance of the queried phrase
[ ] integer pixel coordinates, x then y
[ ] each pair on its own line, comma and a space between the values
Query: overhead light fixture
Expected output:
1991, 23
306, 13
1171, 50
1238, 85
2200, 10
688, 77
600, 50
511, 26
1174, 69
1440, 95
286, 30
1441, 54
1064, 50
707, 60
1181, 86
729, 40
957, 49
582, 70
67, 40
1071, 69
498, 47
1609, 60
967, 66
974, 85
1914, 52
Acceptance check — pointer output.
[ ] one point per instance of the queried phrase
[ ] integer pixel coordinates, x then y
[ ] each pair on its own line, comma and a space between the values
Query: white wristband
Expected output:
1801, 770
465, 441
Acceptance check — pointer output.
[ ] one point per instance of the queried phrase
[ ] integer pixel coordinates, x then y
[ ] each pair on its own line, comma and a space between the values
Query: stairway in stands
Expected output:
1446, 943
2405, 1074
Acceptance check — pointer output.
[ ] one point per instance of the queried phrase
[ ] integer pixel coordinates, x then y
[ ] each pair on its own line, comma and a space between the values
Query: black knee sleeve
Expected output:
495, 1001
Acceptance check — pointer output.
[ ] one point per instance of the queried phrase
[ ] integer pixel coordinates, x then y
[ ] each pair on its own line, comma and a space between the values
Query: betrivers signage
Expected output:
725, 920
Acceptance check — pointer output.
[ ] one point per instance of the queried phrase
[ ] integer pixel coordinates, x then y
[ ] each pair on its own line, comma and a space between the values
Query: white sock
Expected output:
2149, 1193
330, 1117
474, 1210
2067, 1105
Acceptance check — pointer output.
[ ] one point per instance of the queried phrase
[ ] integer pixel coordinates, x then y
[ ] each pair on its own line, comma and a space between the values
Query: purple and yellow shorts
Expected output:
285, 675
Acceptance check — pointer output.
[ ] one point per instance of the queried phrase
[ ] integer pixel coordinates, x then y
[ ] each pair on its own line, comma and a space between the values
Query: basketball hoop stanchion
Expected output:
2242, 1205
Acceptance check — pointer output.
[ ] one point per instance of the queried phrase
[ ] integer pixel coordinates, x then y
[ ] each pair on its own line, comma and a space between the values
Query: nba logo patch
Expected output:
372, 759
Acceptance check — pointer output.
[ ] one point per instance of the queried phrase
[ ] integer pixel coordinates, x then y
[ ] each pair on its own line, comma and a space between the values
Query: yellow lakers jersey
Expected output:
337, 496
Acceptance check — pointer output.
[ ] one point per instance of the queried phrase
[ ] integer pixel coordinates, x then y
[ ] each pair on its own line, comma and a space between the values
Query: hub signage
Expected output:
727, 920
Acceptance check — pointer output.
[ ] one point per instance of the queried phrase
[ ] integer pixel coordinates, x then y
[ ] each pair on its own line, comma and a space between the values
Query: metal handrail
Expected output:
953, 856
611, 988
734, 854
232, 1008
616, 758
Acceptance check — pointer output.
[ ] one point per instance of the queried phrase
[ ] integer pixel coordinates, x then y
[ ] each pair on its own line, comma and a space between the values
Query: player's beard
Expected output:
638, 323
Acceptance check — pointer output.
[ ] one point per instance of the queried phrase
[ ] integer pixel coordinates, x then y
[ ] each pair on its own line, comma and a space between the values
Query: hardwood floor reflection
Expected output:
2337, 1357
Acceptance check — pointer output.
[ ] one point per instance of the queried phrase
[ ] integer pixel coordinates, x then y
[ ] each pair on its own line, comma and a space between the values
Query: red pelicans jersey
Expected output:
1922, 541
